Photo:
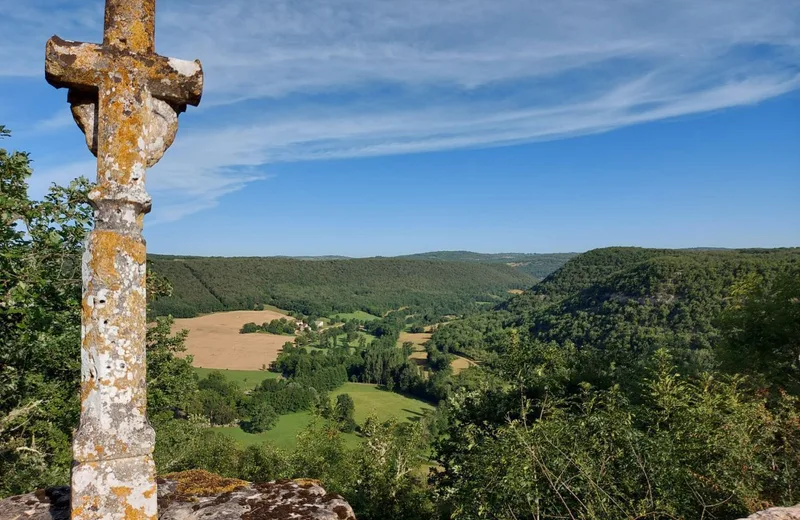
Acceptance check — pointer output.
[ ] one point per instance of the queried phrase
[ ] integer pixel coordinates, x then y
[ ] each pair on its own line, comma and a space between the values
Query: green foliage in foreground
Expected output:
40, 294
327, 287
615, 389
706, 447
379, 475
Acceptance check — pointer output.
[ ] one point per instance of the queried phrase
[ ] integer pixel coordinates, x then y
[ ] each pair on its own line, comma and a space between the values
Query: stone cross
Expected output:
126, 99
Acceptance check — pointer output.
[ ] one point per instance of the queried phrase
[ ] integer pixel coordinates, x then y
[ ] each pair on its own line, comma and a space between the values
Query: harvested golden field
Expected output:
461, 363
215, 342
415, 338
420, 358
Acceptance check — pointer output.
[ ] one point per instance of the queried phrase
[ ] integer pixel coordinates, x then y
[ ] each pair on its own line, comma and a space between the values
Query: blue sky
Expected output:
376, 127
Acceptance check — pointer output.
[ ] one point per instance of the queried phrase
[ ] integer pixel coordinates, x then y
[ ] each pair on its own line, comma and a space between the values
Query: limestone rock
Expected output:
199, 495
776, 513
49, 504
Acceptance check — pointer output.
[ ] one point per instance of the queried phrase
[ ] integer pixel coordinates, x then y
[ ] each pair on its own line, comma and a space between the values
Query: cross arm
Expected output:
82, 66
72, 64
174, 80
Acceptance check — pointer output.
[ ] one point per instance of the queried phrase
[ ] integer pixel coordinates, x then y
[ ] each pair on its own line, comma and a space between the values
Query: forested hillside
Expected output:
631, 383
627, 302
374, 285
537, 265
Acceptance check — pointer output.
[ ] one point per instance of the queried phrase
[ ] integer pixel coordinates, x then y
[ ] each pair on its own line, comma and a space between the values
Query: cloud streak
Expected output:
311, 79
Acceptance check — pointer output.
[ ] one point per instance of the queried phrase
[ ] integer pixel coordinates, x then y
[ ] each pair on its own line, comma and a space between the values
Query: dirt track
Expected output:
215, 342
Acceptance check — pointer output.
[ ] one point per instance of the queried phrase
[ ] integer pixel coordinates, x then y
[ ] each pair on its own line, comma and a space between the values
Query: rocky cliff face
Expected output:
197, 494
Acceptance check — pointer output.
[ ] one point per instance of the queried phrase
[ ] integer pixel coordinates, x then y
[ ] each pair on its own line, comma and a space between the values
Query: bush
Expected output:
691, 448
263, 463
249, 328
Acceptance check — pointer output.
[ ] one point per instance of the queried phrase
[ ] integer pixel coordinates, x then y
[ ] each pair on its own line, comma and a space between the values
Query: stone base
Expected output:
197, 494
114, 489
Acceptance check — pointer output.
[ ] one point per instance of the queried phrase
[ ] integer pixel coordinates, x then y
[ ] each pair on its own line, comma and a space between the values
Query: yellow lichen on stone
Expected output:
132, 513
121, 491
307, 482
199, 482
140, 36
87, 387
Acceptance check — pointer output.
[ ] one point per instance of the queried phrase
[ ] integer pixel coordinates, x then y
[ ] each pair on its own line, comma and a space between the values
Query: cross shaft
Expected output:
127, 88
130, 25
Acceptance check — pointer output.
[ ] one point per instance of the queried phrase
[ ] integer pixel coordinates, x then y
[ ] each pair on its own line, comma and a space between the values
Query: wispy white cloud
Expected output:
178, 187
291, 80
58, 121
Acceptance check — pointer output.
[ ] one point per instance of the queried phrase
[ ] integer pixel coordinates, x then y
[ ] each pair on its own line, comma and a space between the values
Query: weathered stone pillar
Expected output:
126, 99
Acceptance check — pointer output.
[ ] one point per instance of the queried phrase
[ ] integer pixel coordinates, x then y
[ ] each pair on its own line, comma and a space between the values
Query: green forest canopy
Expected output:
321, 288
537, 265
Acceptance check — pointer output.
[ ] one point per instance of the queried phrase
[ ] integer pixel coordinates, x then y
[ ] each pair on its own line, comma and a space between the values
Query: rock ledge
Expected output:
197, 494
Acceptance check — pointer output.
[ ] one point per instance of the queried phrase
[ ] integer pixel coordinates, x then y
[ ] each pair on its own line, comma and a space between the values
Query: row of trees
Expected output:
278, 326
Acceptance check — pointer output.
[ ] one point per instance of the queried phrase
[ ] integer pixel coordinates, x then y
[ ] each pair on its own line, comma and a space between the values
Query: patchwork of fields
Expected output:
216, 344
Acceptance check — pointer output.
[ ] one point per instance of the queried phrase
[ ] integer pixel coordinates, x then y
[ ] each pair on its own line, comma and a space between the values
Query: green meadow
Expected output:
368, 399
247, 379
357, 315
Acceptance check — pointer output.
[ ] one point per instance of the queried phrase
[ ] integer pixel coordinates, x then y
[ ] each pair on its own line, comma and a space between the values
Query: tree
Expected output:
762, 330
40, 294
262, 417
219, 410
171, 381
343, 412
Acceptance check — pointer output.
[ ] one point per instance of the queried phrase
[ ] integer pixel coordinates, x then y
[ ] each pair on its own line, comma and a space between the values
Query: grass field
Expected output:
357, 315
283, 434
369, 338
368, 399
247, 379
